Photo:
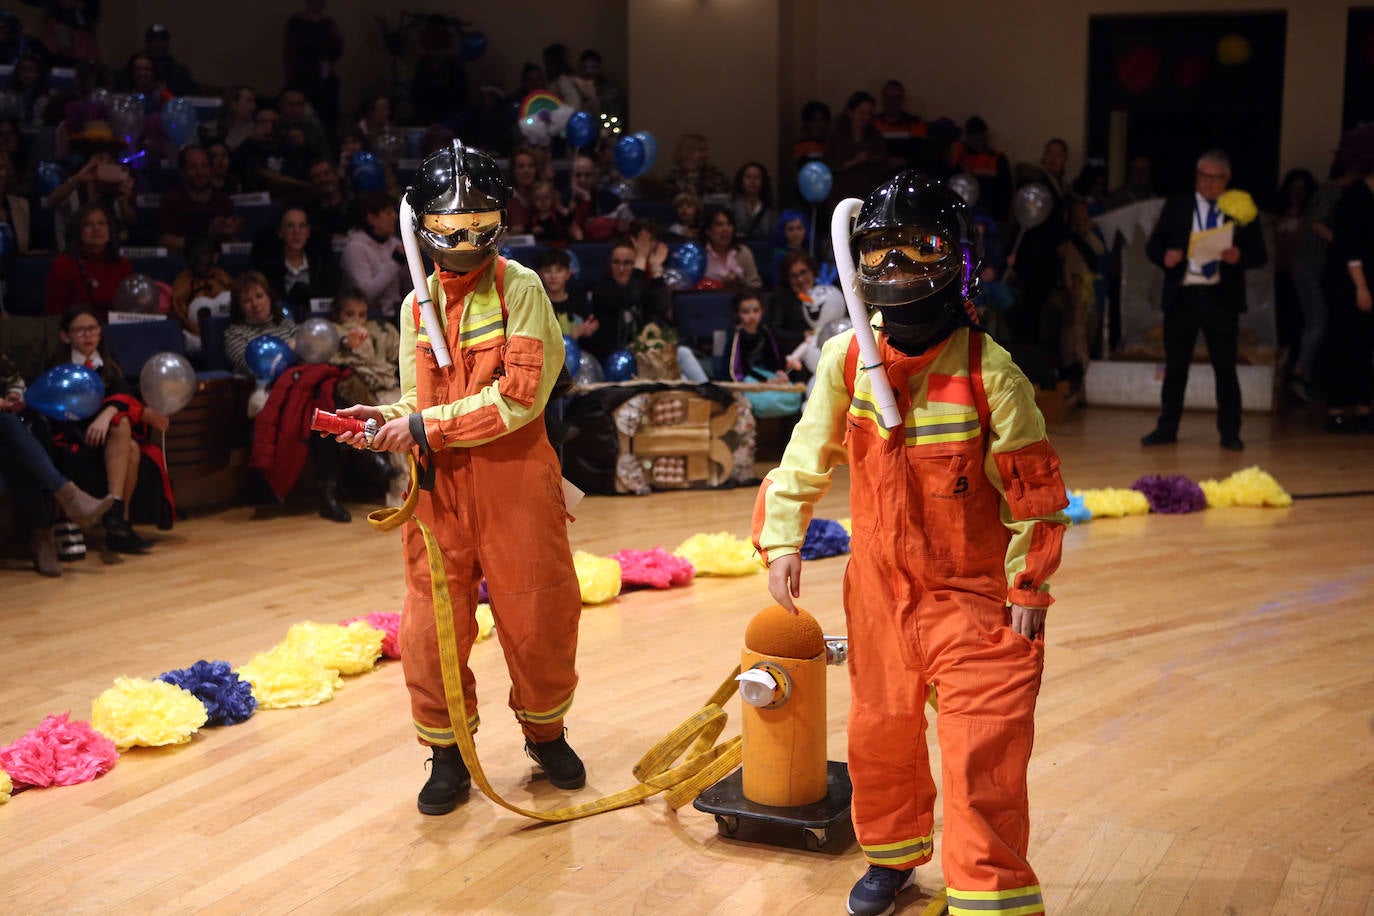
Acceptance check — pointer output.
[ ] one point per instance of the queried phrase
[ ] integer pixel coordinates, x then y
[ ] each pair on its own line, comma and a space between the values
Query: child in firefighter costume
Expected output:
492, 491
957, 526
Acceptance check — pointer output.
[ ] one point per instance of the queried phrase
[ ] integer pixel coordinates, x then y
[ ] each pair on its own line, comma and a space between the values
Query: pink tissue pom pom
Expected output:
388, 623
58, 753
655, 568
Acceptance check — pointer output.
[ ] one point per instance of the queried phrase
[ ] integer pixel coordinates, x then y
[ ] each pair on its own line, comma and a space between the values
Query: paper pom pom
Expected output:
58, 753
6, 787
390, 626
141, 713
1250, 487
655, 568
848, 525
483, 593
284, 677
824, 538
227, 698
486, 624
350, 649
1114, 502
598, 577
720, 554
1077, 510
1173, 494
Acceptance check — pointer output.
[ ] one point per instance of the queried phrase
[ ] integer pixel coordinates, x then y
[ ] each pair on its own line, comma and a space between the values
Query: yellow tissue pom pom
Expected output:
598, 577
848, 525
1238, 205
486, 624
350, 649
6, 787
1114, 502
283, 677
720, 554
141, 713
1251, 487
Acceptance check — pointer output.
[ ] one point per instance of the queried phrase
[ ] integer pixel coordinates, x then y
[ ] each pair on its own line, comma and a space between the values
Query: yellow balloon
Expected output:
1233, 50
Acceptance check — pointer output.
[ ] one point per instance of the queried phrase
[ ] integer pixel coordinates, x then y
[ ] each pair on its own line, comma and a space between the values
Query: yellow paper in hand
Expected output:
1206, 246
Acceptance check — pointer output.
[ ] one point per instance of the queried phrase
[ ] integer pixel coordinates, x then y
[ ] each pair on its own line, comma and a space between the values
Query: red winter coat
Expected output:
281, 432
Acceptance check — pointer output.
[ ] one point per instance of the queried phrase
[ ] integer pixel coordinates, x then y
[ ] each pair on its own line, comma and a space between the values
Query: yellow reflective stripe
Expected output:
483, 331
894, 855
551, 715
939, 419
1016, 901
863, 405
441, 735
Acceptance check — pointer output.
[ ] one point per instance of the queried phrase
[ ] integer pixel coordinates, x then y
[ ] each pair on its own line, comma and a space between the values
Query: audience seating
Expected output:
134, 344
702, 320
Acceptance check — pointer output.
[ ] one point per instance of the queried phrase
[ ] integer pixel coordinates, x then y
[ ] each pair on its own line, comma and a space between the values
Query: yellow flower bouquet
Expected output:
1239, 206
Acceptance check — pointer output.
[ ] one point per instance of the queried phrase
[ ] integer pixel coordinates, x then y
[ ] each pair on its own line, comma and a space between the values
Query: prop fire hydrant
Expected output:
785, 778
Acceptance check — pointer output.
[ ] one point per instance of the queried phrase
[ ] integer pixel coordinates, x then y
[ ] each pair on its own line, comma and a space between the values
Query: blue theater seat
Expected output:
163, 268
133, 344
212, 353
594, 259
762, 250
28, 287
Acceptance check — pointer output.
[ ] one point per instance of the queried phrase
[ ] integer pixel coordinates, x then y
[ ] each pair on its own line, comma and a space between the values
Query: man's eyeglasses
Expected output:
84, 331
1212, 176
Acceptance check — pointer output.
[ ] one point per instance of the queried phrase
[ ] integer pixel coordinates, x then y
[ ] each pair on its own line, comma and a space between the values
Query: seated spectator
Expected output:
751, 353
792, 233
236, 119
298, 267
102, 452
139, 76
375, 118
693, 171
570, 304
728, 262
268, 161
31, 88
371, 349
102, 179
977, 157
582, 191
688, 226
855, 151
549, 222
752, 203
195, 207
202, 285
14, 207
253, 312
372, 259
651, 251
90, 270
527, 166
624, 302
294, 112
331, 210
32, 479
787, 314
170, 72
810, 146
223, 178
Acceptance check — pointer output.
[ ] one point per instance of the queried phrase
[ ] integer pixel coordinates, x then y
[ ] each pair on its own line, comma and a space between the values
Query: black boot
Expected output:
120, 536
449, 782
330, 507
559, 761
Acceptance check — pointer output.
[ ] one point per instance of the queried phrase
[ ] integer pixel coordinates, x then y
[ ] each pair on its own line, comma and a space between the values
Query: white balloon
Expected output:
167, 382
1033, 204
966, 186
317, 340
834, 328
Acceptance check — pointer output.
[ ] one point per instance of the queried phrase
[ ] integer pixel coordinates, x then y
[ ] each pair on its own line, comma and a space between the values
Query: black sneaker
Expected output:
449, 782
1158, 437
559, 762
876, 892
122, 538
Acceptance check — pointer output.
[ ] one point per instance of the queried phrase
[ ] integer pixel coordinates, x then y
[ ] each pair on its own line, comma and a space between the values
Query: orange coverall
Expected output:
497, 503
954, 517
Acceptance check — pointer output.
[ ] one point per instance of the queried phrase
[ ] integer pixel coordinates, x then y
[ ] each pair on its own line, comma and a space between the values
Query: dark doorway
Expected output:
1359, 67
1170, 87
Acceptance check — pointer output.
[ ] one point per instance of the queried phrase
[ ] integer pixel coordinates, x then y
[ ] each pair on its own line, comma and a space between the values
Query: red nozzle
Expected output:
333, 424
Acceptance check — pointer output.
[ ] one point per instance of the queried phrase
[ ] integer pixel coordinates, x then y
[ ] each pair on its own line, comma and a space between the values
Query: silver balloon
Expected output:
389, 147
832, 329
136, 293
588, 370
126, 117
676, 279
966, 186
317, 340
167, 382
1032, 205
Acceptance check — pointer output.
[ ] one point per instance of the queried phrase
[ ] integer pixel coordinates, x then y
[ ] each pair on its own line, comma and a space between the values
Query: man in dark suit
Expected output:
1207, 296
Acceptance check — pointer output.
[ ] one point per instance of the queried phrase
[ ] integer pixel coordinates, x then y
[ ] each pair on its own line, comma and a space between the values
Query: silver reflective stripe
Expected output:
920, 847
992, 906
963, 426
478, 332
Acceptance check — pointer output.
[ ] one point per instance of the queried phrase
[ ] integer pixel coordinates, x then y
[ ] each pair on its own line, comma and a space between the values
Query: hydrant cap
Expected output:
777, 632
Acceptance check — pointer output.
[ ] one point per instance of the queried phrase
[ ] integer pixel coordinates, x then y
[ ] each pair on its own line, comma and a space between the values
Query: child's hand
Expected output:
362, 412
394, 437
784, 580
793, 364
156, 419
356, 338
1028, 621
588, 327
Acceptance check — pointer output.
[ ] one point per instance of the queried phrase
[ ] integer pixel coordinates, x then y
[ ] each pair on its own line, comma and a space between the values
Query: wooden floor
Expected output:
1204, 741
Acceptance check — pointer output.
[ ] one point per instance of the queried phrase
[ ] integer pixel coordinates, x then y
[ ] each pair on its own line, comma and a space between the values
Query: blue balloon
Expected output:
68, 392
690, 260
51, 175
620, 366
629, 157
474, 44
268, 357
650, 148
581, 129
814, 181
179, 121
572, 354
366, 171
574, 265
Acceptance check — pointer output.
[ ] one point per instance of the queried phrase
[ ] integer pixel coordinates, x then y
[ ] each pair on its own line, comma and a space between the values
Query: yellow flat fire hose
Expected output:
706, 763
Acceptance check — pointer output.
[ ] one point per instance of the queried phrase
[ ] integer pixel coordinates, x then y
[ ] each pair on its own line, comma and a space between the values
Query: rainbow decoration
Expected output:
537, 102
